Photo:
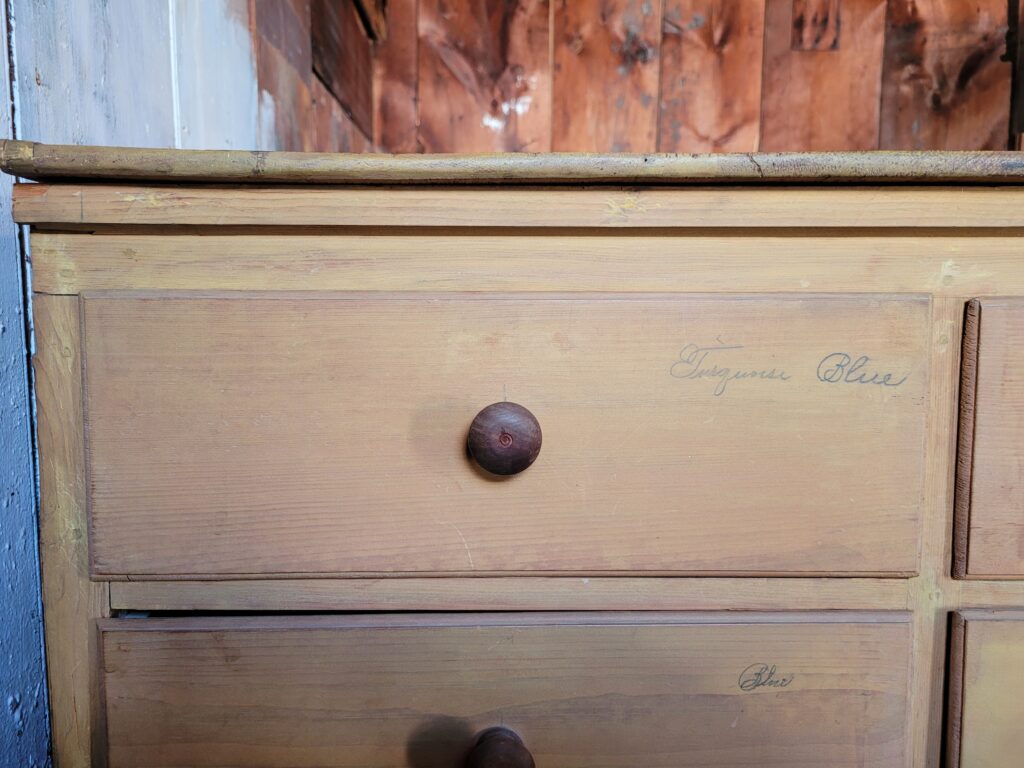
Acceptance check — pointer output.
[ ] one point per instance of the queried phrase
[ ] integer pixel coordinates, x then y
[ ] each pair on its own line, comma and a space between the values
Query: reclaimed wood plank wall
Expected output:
636, 75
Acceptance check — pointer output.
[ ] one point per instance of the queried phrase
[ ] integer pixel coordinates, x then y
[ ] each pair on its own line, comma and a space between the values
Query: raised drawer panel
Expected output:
595, 690
990, 467
288, 434
986, 677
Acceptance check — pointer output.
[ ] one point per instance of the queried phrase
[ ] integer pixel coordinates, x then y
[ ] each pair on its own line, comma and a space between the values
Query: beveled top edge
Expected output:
51, 161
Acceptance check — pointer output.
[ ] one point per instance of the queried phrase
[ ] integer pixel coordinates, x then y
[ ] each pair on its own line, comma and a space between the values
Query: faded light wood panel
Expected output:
283, 434
606, 62
990, 505
986, 677
711, 55
946, 83
595, 690
72, 602
87, 205
941, 264
825, 95
396, 78
484, 76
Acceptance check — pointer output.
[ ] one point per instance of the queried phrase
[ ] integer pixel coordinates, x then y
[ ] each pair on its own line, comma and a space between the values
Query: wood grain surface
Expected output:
946, 80
582, 690
484, 76
711, 54
45, 161
396, 80
606, 70
986, 675
991, 514
72, 602
795, 113
482, 260
86, 207
325, 433
342, 56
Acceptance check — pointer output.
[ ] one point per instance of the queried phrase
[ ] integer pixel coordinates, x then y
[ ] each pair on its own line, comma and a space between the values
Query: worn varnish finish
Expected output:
605, 689
614, 43
946, 82
986, 675
645, 419
484, 76
125, 164
711, 54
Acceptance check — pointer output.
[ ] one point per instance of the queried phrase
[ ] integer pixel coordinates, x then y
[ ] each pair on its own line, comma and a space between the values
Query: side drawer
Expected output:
989, 541
986, 717
289, 434
636, 690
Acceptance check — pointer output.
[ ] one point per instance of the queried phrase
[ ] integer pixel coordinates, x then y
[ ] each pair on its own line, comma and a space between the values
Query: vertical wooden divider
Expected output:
71, 601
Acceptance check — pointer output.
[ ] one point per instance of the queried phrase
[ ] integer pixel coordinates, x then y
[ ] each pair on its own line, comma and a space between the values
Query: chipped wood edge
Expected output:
72, 603
965, 437
955, 691
49, 161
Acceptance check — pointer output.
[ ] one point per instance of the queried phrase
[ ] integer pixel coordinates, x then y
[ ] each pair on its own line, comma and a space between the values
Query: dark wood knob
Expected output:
504, 438
499, 748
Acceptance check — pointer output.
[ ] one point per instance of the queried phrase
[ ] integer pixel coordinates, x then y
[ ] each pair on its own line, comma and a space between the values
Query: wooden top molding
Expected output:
44, 161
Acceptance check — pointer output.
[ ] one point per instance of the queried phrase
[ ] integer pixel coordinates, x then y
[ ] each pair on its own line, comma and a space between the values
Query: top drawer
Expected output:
290, 434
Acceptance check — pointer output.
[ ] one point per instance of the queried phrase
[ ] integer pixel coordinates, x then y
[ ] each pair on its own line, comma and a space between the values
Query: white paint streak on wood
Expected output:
215, 69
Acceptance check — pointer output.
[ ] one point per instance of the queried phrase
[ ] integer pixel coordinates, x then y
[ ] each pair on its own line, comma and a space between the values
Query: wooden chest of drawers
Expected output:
777, 403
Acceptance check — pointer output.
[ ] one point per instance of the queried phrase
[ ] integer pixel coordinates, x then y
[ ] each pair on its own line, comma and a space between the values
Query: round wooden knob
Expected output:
499, 748
504, 438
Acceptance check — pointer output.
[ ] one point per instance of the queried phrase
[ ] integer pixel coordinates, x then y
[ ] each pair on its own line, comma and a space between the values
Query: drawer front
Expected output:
261, 434
990, 483
581, 690
987, 676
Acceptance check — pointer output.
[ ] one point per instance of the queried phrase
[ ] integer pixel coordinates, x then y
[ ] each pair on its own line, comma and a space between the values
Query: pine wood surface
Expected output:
72, 602
870, 208
41, 161
986, 674
217, 446
992, 542
598, 690
942, 242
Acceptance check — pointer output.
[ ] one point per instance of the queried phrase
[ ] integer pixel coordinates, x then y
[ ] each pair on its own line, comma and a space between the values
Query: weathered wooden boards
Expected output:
606, 62
711, 56
696, 75
822, 75
614, 690
946, 81
484, 76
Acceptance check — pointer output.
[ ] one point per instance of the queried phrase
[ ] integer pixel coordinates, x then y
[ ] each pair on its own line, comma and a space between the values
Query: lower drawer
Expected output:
610, 689
986, 717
